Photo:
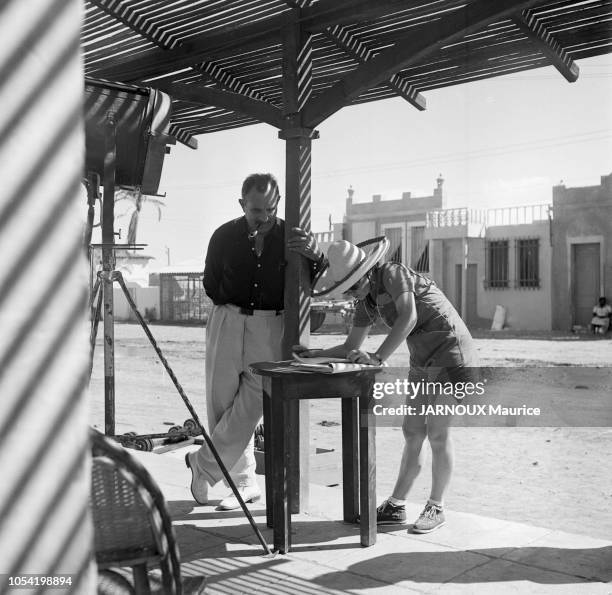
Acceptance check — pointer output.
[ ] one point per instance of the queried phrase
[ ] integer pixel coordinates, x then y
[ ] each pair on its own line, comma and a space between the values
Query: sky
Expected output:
500, 142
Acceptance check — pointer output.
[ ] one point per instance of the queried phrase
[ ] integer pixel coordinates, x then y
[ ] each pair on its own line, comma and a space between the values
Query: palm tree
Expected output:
137, 199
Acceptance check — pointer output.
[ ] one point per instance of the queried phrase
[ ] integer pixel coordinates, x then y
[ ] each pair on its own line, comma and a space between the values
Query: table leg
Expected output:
293, 452
267, 421
280, 513
367, 461
350, 458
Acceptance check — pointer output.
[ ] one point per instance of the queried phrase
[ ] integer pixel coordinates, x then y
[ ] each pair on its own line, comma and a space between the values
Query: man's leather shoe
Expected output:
199, 486
248, 494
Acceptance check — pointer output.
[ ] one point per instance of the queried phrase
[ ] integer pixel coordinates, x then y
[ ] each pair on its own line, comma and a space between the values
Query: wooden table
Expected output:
283, 387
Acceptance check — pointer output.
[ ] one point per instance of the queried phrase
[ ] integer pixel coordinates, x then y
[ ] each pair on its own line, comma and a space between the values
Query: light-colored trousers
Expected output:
233, 392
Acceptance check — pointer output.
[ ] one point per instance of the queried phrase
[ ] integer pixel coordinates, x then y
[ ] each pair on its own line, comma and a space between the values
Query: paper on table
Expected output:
328, 365
321, 360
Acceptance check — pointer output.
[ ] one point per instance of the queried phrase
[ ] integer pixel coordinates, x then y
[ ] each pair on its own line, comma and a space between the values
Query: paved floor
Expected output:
471, 554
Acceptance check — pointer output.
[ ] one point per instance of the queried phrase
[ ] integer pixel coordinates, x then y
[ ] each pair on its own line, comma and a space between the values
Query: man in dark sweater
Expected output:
245, 278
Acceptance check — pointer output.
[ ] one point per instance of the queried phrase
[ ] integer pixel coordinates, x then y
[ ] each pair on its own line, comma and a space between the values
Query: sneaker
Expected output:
199, 486
390, 514
431, 518
248, 494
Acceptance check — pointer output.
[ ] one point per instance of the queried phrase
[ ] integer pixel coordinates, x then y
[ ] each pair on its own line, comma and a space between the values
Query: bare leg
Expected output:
438, 433
412, 457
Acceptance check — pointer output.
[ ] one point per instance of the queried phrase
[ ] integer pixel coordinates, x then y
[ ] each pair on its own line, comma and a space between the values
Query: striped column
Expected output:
298, 213
297, 89
44, 520
304, 72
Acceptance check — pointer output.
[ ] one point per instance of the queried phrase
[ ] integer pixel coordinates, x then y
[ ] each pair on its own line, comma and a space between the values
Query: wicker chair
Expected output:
132, 527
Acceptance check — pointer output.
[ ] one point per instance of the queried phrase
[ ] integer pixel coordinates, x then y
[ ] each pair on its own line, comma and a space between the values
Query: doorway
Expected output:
585, 281
471, 296
458, 287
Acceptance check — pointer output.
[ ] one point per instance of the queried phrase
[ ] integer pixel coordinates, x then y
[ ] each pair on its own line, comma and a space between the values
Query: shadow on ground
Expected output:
326, 558
247, 571
521, 564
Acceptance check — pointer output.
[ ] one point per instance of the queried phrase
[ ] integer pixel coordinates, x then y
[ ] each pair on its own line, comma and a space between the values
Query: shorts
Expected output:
443, 363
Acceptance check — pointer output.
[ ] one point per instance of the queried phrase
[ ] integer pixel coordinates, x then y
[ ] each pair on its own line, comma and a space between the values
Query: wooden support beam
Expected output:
183, 137
360, 52
548, 45
430, 38
226, 80
217, 124
264, 112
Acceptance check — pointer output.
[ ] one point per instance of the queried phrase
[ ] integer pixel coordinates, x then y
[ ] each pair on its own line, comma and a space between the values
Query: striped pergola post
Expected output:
297, 89
45, 525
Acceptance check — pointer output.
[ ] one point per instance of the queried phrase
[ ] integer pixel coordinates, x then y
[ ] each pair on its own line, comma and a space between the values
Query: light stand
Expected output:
102, 294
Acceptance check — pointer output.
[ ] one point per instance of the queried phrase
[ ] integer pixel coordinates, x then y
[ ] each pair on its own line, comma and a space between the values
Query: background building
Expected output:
403, 221
494, 257
582, 251
545, 265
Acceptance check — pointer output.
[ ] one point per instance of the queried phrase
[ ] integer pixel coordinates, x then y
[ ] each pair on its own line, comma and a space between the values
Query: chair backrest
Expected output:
131, 522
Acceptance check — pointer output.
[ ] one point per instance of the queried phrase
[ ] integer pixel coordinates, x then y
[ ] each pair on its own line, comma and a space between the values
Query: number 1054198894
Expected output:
24, 581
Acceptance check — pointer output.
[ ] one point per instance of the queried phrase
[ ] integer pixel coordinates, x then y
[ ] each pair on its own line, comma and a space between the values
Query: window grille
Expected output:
183, 298
527, 262
497, 263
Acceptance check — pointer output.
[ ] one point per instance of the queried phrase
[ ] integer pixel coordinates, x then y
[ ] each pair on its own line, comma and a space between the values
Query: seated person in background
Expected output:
601, 316
441, 349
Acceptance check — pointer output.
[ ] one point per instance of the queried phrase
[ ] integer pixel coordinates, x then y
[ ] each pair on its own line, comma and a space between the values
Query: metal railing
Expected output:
324, 236
519, 215
454, 217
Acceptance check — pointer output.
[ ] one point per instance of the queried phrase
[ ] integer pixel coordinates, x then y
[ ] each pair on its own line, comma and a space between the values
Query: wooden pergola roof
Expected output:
222, 60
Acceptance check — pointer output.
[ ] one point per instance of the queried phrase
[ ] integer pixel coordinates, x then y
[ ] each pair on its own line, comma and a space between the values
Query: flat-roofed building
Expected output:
582, 251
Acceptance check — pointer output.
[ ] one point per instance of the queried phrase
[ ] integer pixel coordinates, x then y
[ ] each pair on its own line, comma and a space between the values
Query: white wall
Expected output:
526, 308
362, 230
144, 297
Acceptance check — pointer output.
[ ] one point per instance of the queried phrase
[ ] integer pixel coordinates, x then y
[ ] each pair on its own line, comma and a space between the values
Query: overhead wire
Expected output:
481, 153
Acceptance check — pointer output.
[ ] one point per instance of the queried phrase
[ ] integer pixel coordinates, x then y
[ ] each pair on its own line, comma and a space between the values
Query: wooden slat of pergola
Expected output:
293, 63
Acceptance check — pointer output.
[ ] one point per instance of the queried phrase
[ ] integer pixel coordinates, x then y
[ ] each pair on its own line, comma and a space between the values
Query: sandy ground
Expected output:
554, 477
